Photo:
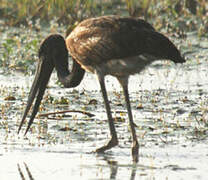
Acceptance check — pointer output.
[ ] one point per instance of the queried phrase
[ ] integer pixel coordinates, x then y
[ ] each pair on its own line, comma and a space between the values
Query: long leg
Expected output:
114, 140
135, 145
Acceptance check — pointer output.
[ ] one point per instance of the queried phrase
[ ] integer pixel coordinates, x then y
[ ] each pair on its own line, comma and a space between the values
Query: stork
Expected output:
106, 45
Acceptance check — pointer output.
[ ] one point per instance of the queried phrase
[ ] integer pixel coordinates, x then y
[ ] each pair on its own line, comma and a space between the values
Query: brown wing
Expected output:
97, 40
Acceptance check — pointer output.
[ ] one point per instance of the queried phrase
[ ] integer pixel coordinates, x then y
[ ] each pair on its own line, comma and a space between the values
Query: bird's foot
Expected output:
113, 142
135, 151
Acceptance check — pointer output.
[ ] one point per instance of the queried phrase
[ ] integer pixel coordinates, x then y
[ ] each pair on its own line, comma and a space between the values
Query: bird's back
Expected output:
97, 40
110, 22
105, 37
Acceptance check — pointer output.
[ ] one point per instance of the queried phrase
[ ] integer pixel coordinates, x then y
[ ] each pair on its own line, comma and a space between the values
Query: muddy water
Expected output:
170, 107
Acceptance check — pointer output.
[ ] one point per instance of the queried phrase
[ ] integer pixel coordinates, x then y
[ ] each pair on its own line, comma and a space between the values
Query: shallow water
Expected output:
169, 105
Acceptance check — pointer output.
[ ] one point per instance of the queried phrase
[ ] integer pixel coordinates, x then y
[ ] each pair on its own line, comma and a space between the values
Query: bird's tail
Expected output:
160, 46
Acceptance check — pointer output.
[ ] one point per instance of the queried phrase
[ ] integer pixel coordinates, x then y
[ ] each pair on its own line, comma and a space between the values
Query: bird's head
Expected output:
52, 54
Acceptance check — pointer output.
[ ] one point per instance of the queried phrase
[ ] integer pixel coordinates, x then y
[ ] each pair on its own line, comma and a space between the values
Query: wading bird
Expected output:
107, 45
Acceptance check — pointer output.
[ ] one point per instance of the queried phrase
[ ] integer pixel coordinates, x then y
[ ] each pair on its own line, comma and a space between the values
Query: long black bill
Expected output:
40, 82
52, 54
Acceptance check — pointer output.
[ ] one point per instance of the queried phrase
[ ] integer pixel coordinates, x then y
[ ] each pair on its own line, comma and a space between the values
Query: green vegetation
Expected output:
69, 11
26, 22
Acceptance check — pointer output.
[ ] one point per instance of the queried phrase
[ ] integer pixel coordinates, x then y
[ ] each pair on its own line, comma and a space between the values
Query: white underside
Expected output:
122, 67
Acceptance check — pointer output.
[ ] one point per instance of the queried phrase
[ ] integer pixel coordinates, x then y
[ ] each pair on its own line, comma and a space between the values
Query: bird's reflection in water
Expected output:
114, 168
112, 164
133, 172
27, 170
